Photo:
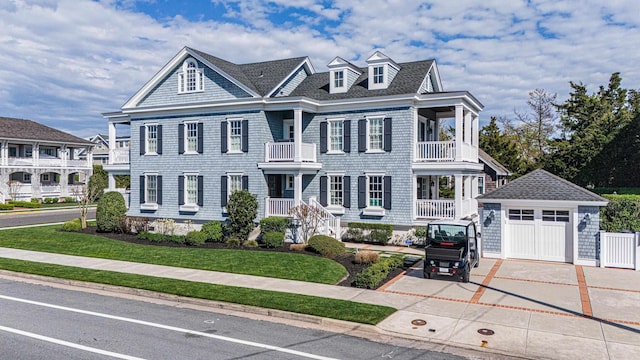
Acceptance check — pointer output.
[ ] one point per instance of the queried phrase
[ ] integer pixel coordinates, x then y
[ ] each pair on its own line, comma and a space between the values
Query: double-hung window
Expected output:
191, 136
374, 194
375, 191
191, 189
235, 135
191, 78
378, 75
336, 194
335, 135
235, 183
375, 134
480, 185
151, 188
338, 80
152, 139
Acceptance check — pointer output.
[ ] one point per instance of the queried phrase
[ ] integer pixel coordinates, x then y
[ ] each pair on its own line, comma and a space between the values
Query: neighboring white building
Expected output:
37, 161
101, 148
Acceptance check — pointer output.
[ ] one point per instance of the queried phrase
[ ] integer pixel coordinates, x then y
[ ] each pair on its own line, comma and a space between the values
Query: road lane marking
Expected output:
69, 344
171, 328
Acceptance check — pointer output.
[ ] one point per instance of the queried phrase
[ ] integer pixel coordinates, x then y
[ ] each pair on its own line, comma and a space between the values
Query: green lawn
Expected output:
261, 263
303, 304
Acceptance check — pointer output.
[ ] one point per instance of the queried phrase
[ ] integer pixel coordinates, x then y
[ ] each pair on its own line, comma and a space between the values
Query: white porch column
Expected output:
112, 142
35, 154
36, 191
436, 129
459, 134
297, 137
467, 195
90, 157
475, 134
297, 189
467, 127
112, 182
415, 134
458, 193
4, 153
64, 151
64, 183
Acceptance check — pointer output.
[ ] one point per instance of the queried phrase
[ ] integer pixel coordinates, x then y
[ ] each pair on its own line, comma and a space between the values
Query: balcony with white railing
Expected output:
435, 151
278, 206
20, 161
435, 209
119, 156
282, 155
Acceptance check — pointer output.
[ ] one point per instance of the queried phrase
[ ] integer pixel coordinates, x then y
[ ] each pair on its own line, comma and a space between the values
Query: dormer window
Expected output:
382, 71
378, 75
191, 78
339, 79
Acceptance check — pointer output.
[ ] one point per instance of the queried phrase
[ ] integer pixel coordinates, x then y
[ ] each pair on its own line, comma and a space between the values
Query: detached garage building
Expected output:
541, 216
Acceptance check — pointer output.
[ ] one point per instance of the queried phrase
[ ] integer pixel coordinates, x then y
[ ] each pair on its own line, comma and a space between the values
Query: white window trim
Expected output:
229, 175
385, 74
189, 207
182, 77
46, 177
484, 184
335, 209
329, 151
374, 210
149, 205
286, 181
146, 139
369, 150
186, 142
239, 151
26, 178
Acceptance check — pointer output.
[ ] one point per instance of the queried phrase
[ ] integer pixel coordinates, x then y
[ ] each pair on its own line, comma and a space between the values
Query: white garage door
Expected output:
539, 234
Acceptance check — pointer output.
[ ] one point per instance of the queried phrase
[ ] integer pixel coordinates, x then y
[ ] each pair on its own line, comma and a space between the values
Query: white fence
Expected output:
621, 250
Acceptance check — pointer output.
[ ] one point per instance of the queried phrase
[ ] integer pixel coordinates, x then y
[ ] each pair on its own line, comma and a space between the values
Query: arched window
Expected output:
191, 79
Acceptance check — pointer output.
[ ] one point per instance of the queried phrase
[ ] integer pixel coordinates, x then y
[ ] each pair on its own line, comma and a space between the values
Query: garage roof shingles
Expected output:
541, 185
11, 128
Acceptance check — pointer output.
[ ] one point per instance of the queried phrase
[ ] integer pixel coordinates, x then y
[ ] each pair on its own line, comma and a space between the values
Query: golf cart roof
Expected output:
452, 222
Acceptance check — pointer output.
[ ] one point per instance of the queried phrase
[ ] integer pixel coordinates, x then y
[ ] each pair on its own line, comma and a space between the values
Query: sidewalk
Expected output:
450, 312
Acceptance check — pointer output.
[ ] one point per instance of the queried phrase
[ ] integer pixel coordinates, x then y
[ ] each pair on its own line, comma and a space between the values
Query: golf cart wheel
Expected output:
477, 263
427, 275
465, 275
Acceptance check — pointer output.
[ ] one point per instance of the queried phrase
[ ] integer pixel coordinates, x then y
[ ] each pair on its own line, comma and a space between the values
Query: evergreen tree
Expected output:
501, 147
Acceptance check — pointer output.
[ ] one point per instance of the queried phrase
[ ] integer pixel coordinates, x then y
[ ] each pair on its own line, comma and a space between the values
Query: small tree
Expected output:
242, 209
111, 208
14, 189
86, 196
98, 181
308, 218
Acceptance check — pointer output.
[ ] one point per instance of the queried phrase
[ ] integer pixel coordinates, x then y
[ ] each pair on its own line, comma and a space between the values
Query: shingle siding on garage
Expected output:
491, 228
588, 232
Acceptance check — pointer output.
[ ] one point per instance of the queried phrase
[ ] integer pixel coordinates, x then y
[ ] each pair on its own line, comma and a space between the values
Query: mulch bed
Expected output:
346, 260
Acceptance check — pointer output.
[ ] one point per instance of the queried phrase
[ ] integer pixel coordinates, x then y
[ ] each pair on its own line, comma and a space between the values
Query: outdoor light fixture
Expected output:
492, 214
586, 219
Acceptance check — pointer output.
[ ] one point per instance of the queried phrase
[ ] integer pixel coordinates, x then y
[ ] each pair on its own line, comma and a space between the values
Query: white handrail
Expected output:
330, 221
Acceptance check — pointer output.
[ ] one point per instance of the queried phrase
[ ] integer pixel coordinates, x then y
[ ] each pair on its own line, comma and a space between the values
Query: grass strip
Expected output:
302, 304
260, 263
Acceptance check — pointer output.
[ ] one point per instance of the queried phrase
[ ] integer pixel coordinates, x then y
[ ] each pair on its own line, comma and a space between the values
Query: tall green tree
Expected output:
538, 124
98, 181
501, 146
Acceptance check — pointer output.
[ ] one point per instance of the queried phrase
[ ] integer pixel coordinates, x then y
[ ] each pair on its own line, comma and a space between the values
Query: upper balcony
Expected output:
118, 160
445, 151
49, 162
289, 156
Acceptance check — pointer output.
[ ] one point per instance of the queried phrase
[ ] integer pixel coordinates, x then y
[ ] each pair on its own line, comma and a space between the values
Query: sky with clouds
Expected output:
64, 62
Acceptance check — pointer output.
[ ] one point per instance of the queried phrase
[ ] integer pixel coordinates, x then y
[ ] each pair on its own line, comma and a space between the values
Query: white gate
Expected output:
621, 250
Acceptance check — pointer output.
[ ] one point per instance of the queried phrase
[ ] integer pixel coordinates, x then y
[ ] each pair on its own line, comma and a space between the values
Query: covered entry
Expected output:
539, 234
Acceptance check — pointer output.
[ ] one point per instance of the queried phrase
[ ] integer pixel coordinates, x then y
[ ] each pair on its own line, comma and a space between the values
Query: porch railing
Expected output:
20, 161
278, 206
50, 189
620, 250
119, 156
435, 151
285, 151
435, 209
330, 223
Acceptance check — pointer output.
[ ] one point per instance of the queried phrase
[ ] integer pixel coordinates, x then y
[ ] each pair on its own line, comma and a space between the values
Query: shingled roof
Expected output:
11, 128
541, 185
493, 163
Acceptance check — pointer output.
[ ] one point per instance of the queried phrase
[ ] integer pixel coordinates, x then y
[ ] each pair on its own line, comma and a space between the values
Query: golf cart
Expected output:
451, 248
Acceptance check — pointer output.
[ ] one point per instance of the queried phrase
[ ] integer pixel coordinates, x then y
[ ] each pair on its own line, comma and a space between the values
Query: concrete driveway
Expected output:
593, 309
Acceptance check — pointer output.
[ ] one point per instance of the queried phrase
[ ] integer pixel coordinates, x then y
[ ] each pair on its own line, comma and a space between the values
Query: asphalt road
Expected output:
38, 322
42, 217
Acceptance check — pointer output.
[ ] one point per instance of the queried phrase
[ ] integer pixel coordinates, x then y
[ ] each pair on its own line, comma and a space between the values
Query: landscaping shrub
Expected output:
26, 204
353, 235
149, 236
250, 243
420, 232
134, 224
35, 200
621, 214
366, 232
242, 209
72, 226
274, 223
213, 230
297, 247
367, 257
372, 276
233, 242
111, 208
273, 239
326, 246
379, 237
69, 199
6, 207
195, 238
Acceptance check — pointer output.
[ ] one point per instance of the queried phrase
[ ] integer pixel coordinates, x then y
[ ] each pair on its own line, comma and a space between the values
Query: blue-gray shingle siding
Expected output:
588, 232
292, 83
491, 228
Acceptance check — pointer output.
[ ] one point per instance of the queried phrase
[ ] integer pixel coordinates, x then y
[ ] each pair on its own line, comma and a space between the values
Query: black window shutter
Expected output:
223, 190
362, 135
223, 137
180, 190
159, 182
362, 192
323, 190
200, 190
323, 137
386, 201
346, 191
245, 136
159, 150
142, 192
143, 143
346, 136
245, 183
181, 139
200, 138
387, 134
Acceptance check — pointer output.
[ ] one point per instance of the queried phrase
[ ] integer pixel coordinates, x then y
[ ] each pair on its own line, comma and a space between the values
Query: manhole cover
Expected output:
418, 322
486, 332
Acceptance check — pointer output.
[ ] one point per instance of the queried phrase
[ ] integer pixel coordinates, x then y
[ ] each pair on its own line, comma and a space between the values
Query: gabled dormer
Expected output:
382, 70
431, 82
342, 75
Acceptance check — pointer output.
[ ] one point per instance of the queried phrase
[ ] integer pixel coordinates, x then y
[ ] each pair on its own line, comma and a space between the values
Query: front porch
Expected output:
437, 197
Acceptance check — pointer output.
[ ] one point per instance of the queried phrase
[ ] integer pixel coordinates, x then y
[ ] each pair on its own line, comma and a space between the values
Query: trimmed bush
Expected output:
379, 237
372, 276
213, 231
242, 209
134, 224
69, 199
26, 204
297, 247
6, 206
367, 257
233, 242
195, 238
621, 214
74, 225
274, 223
326, 246
250, 243
159, 238
366, 232
273, 239
353, 235
111, 208
420, 232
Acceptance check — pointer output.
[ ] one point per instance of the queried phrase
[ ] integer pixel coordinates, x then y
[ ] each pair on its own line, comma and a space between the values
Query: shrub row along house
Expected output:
363, 143
37, 161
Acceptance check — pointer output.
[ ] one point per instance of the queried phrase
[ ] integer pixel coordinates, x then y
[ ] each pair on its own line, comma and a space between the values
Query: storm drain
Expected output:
487, 332
418, 322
